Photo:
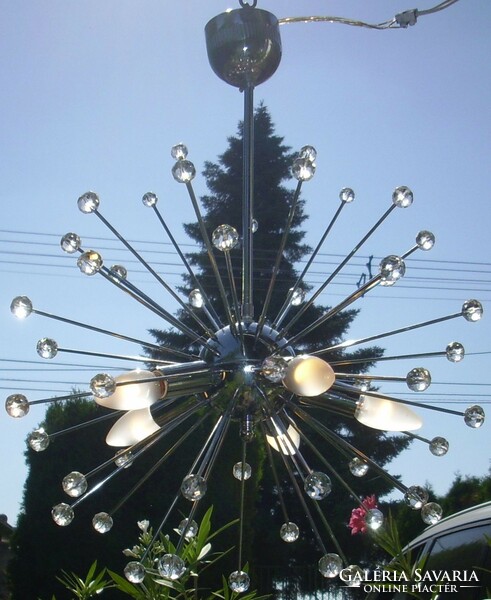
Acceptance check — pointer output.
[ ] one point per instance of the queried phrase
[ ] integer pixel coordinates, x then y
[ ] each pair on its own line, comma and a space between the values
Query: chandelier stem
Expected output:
161, 525
279, 256
410, 251
361, 291
211, 257
350, 343
287, 304
235, 299
311, 301
114, 334
152, 272
60, 398
247, 204
210, 313
79, 426
276, 478
366, 377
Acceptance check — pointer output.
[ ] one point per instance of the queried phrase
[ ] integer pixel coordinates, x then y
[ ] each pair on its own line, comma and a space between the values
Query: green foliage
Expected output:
86, 588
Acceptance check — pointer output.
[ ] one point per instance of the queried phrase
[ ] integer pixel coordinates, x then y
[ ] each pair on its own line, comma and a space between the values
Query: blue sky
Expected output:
96, 93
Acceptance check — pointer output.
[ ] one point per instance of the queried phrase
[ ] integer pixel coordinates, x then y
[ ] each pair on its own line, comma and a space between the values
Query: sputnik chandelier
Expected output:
250, 369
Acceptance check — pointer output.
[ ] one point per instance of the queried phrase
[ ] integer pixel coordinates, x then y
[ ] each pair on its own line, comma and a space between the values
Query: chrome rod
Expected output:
248, 205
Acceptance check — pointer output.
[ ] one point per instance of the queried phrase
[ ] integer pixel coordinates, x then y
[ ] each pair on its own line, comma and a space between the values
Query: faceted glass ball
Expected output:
439, 446
38, 440
289, 532
472, 310
298, 296
179, 151
474, 416
347, 195
47, 348
89, 262
239, 581
21, 307
418, 379
74, 484
171, 566
196, 299
70, 243
193, 487
184, 171
102, 522
150, 199
242, 471
431, 513
62, 514
134, 572
303, 169
274, 368
191, 528
357, 467
317, 485
425, 240
254, 226
330, 565
124, 458
308, 152
119, 271
374, 519
455, 352
416, 497
392, 268
17, 406
88, 202
225, 238
102, 385
402, 196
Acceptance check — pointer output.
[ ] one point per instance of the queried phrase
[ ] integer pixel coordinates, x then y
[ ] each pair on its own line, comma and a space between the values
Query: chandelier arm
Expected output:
209, 462
141, 359
209, 249
60, 398
113, 334
161, 525
275, 477
359, 293
287, 303
142, 298
79, 426
279, 256
354, 361
410, 251
332, 403
299, 494
311, 301
350, 343
338, 441
155, 275
324, 461
348, 388
235, 299
241, 507
182, 538
211, 314
248, 205
158, 464
341, 377
416, 437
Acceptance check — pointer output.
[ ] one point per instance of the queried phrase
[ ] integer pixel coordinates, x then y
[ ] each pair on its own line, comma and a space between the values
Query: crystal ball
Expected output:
298, 296
455, 352
102, 385
171, 566
402, 197
102, 522
431, 513
62, 514
225, 238
416, 497
418, 379
274, 368
474, 416
391, 268
425, 240
21, 307
90, 262
70, 243
179, 151
47, 348
239, 581
196, 299
184, 171
190, 527
242, 471
38, 440
439, 446
303, 169
317, 485
357, 467
74, 484
150, 199
193, 487
472, 310
330, 565
289, 532
134, 572
17, 406
347, 195
88, 202
374, 519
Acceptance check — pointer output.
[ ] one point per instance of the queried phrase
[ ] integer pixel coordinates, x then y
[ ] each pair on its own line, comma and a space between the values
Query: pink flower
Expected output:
357, 522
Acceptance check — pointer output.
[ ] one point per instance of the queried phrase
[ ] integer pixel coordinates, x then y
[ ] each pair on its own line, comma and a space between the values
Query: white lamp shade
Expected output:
134, 396
386, 415
308, 376
287, 443
131, 428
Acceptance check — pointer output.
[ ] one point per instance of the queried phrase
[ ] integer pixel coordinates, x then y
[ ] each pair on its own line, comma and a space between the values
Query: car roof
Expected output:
469, 516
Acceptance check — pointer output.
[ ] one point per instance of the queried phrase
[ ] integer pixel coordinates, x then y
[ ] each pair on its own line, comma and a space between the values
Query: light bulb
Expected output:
286, 442
132, 396
134, 426
386, 415
308, 376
